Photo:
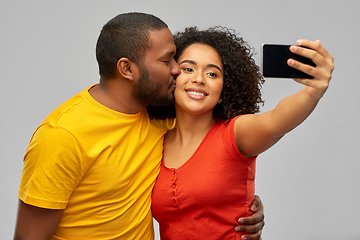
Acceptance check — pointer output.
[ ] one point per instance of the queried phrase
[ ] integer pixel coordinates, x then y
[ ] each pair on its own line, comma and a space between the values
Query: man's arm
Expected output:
253, 224
34, 223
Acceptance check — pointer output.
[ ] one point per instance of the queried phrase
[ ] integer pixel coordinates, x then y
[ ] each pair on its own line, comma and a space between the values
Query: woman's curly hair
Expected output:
242, 79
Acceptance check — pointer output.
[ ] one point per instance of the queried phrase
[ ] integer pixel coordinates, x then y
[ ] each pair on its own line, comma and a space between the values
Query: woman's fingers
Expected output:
318, 54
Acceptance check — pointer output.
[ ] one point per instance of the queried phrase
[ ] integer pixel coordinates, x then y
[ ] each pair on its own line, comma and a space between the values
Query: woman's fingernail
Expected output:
294, 48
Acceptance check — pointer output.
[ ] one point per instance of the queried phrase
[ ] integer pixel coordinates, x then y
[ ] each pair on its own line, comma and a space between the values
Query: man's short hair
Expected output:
126, 35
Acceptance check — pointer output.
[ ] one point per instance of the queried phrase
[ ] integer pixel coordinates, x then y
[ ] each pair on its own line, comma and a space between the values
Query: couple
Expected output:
90, 167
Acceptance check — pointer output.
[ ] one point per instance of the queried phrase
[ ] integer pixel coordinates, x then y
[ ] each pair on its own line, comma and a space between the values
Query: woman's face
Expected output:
199, 86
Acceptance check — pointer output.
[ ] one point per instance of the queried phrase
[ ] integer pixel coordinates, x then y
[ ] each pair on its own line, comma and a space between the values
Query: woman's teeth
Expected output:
196, 93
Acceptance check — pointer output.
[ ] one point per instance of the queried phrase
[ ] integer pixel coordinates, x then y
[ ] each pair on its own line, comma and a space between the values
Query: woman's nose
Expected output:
198, 78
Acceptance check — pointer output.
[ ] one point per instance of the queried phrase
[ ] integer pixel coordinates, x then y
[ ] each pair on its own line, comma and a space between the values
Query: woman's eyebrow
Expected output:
194, 63
188, 61
214, 66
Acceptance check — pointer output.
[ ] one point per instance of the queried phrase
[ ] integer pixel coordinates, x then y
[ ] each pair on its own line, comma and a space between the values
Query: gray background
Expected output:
309, 181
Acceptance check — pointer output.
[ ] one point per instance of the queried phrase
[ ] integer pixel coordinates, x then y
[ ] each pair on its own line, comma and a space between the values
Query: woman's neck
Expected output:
190, 127
182, 141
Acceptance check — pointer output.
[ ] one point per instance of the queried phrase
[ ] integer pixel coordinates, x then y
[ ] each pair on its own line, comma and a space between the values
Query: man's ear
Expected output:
127, 68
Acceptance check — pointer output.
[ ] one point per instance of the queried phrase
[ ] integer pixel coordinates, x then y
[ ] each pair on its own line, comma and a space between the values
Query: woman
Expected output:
208, 166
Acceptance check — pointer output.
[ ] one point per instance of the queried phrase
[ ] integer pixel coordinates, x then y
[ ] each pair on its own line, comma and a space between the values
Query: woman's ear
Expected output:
126, 68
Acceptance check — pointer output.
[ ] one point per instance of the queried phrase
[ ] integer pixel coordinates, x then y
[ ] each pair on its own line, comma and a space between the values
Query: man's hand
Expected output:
253, 224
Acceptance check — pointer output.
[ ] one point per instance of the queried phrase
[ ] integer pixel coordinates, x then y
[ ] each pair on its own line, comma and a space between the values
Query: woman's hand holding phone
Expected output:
322, 71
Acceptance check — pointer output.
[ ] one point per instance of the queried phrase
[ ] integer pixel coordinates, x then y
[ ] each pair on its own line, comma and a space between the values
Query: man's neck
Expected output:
116, 94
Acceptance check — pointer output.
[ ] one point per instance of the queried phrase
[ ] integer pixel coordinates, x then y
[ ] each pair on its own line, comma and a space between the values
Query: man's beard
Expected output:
147, 91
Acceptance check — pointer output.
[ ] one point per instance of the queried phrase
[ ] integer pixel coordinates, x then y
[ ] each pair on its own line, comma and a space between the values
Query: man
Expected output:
91, 165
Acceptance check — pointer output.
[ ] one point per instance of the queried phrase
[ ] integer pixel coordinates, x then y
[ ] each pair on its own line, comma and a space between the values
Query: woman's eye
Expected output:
187, 69
212, 74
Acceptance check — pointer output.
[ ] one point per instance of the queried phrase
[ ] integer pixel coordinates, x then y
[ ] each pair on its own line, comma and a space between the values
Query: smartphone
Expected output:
274, 62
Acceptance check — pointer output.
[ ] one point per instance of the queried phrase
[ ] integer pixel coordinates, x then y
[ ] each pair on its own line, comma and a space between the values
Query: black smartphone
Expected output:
274, 62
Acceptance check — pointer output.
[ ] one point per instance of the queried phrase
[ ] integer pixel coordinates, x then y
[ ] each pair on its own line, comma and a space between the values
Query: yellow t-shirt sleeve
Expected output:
52, 168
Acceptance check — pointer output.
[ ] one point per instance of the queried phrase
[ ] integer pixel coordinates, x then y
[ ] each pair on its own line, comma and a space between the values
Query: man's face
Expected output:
158, 71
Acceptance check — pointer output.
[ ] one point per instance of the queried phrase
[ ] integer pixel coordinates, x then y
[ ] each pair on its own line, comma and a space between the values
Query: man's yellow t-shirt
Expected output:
98, 165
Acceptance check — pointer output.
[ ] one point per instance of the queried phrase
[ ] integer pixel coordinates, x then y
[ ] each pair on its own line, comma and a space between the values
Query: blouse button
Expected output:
174, 200
173, 186
173, 192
